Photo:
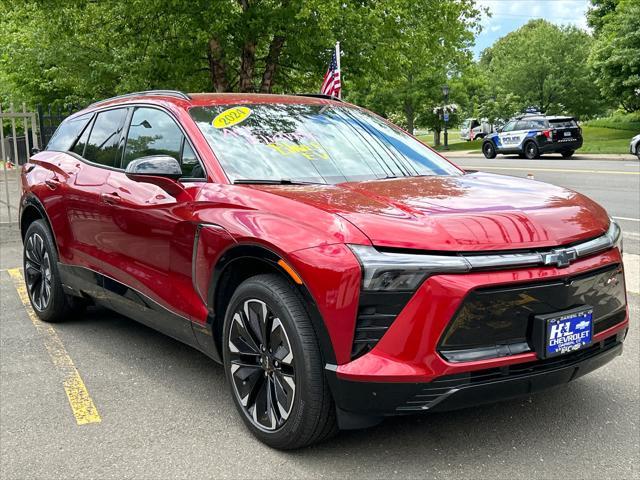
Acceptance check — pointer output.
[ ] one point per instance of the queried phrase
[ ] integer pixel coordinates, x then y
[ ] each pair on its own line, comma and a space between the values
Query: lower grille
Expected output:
376, 313
440, 388
497, 321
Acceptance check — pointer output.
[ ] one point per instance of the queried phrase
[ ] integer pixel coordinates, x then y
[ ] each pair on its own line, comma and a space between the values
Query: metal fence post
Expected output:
13, 132
26, 133
41, 124
4, 165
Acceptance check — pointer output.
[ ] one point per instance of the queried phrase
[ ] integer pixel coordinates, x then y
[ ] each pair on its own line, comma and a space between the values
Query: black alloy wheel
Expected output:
489, 150
37, 270
274, 366
42, 278
262, 365
531, 150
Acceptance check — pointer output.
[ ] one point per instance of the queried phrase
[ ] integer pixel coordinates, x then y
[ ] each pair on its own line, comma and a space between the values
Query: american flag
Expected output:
331, 84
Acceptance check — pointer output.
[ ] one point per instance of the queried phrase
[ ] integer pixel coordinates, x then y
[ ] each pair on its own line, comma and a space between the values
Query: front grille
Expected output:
376, 313
431, 394
498, 321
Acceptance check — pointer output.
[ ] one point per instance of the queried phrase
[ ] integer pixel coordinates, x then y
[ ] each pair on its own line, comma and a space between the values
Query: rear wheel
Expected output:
42, 278
568, 154
489, 150
274, 367
531, 150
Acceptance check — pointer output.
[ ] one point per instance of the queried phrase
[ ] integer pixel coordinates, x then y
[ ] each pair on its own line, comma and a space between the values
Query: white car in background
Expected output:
634, 146
473, 128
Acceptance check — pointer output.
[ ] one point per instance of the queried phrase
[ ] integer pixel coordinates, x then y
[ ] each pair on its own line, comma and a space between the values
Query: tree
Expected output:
615, 56
414, 49
545, 65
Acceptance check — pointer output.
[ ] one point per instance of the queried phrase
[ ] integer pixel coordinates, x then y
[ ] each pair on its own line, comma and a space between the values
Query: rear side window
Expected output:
67, 133
104, 138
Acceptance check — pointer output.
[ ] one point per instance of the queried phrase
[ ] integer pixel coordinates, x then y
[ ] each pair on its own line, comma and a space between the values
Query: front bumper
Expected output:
408, 370
377, 400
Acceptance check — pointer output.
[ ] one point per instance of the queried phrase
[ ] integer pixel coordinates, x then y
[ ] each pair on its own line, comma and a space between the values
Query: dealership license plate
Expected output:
567, 134
568, 332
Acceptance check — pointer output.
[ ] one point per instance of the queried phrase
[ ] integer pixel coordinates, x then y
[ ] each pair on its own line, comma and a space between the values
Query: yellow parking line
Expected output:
563, 170
81, 403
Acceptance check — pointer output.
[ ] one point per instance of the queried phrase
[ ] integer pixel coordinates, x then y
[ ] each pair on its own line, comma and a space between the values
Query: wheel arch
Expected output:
243, 261
31, 210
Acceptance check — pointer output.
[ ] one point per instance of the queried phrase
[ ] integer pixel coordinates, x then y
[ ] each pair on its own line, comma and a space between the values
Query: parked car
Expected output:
340, 270
531, 135
474, 129
634, 146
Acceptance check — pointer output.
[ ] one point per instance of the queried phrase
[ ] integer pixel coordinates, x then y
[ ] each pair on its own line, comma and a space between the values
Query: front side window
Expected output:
312, 143
153, 132
104, 139
509, 127
67, 133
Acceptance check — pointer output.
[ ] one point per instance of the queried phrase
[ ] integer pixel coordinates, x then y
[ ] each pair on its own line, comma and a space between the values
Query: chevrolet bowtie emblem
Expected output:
560, 258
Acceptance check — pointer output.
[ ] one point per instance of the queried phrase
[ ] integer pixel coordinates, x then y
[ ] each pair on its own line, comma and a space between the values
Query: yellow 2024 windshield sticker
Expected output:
231, 116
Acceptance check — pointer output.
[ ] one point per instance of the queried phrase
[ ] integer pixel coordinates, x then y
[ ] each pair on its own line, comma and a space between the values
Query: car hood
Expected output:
471, 212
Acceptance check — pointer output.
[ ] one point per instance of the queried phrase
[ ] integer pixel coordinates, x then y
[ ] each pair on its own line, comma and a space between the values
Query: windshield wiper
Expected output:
268, 181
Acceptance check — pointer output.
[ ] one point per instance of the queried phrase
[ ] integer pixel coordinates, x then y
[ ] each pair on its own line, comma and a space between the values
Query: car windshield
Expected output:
312, 143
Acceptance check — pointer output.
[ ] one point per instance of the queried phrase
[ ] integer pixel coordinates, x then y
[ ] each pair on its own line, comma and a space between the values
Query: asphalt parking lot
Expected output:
163, 410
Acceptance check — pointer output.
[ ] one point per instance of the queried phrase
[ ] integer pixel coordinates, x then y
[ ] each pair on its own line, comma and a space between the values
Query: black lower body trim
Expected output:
127, 301
471, 388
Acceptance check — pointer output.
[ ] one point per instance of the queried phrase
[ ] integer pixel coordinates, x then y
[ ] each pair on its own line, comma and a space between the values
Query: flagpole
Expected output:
338, 64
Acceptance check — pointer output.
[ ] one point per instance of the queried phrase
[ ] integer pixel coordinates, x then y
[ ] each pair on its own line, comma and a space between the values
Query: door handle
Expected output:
110, 198
52, 183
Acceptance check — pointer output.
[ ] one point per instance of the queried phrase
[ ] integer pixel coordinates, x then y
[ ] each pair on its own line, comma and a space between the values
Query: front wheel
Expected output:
274, 367
489, 150
638, 150
531, 151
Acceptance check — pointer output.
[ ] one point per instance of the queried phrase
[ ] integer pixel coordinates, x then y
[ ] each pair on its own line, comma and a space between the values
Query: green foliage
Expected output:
618, 121
396, 53
615, 57
544, 65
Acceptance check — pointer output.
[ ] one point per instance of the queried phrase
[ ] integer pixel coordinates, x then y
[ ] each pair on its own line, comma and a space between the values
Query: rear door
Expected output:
97, 154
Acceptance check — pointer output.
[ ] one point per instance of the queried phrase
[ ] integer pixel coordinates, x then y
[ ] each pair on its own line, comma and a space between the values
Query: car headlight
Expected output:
385, 271
615, 234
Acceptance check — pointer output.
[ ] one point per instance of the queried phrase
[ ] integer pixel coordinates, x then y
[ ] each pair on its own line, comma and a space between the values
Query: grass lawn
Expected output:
597, 139
455, 142
605, 140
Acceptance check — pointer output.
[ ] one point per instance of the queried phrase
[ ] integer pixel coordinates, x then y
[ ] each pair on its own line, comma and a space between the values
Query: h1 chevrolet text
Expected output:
339, 269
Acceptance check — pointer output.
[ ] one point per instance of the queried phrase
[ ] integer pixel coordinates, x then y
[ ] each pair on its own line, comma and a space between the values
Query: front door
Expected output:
152, 228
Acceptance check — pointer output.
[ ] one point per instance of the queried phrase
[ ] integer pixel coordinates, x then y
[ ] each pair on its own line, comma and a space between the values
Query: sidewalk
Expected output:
551, 156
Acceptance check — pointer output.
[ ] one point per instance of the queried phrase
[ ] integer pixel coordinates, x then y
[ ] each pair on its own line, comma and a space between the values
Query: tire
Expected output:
42, 278
489, 150
638, 150
568, 154
531, 150
288, 366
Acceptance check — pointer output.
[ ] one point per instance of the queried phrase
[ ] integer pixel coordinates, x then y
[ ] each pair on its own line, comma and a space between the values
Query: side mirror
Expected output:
161, 170
35, 150
154, 165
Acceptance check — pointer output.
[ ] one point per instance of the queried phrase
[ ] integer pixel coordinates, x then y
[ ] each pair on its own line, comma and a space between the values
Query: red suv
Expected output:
339, 269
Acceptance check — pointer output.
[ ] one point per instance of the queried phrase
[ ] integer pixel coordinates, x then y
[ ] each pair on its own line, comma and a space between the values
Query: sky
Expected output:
509, 15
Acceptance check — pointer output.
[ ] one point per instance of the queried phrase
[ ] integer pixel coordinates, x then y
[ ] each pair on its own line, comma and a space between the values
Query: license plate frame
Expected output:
563, 332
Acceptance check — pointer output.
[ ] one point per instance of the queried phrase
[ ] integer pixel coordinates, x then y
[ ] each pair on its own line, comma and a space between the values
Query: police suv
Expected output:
531, 135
